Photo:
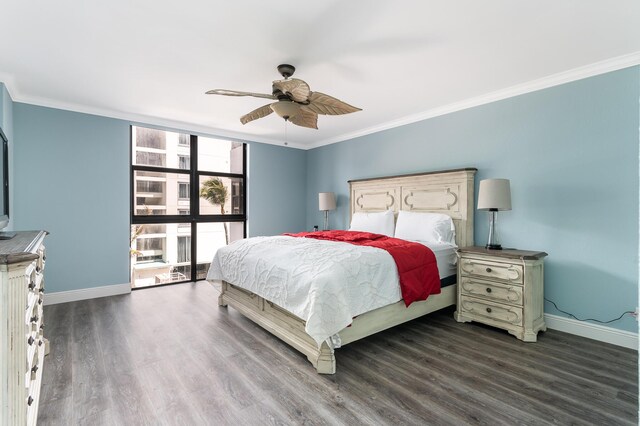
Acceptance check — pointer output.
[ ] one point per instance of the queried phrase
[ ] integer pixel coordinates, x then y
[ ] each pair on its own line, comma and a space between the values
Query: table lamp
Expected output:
326, 202
494, 195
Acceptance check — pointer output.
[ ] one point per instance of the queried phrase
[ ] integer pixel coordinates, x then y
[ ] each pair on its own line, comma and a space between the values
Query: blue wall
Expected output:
72, 179
277, 189
571, 153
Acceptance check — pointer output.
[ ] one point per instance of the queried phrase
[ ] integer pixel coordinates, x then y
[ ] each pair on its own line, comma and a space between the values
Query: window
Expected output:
187, 200
183, 191
150, 138
184, 162
148, 186
184, 249
183, 140
149, 259
145, 244
151, 158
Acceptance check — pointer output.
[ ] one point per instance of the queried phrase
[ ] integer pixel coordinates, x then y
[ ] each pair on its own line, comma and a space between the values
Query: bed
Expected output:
450, 192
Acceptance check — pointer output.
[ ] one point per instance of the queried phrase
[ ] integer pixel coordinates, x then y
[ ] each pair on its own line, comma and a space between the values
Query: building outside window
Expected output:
183, 210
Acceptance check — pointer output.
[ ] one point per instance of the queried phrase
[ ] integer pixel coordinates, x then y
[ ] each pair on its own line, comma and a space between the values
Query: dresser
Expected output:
502, 288
22, 343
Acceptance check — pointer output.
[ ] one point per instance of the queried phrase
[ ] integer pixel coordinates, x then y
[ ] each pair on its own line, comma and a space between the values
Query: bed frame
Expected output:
449, 192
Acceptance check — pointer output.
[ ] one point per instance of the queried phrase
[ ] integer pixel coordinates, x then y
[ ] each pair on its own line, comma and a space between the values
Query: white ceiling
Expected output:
399, 61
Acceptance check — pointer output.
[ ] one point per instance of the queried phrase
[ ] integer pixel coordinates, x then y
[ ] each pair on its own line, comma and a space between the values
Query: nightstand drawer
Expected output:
491, 291
492, 270
490, 312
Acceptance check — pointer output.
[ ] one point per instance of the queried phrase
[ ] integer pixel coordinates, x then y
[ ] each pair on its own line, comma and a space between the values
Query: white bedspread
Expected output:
326, 283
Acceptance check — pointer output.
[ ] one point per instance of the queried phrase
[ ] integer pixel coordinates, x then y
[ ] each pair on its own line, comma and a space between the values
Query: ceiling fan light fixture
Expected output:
295, 102
286, 109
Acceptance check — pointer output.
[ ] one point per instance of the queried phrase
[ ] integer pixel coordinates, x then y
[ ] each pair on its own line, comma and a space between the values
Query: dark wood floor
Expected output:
169, 355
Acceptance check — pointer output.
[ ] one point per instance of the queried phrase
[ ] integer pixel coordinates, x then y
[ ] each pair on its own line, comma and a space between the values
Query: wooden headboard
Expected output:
450, 192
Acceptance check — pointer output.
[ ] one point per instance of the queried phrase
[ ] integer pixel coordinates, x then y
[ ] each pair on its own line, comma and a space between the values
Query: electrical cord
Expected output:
633, 313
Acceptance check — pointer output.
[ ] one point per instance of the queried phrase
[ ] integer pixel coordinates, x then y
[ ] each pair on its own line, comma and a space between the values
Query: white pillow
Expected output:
378, 223
429, 227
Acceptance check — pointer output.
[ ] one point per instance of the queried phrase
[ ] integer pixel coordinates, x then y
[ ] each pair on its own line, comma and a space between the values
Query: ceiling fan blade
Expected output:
305, 119
263, 111
328, 105
226, 92
296, 89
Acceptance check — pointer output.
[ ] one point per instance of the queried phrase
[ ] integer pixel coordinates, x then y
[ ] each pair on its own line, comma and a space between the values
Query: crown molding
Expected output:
603, 67
139, 119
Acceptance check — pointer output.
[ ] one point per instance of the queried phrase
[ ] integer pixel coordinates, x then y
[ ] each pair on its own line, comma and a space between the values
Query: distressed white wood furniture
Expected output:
502, 288
448, 192
22, 343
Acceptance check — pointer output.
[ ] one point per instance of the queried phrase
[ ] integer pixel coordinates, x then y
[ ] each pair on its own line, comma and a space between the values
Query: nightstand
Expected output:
502, 288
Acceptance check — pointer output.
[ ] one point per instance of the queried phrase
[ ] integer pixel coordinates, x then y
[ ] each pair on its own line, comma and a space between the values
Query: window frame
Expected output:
194, 217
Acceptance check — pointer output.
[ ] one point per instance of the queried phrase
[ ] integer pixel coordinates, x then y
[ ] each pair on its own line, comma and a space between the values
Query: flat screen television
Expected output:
4, 198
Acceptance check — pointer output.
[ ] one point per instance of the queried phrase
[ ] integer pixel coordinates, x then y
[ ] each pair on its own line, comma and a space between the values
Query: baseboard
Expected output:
611, 335
86, 293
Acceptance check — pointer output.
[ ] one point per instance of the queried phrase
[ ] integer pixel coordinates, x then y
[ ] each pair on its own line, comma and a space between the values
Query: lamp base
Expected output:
493, 247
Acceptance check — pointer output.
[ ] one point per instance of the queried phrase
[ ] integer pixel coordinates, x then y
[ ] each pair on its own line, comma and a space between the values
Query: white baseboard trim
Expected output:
611, 335
86, 293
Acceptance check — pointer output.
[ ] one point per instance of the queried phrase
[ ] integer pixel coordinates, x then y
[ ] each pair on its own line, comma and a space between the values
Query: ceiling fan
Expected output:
295, 101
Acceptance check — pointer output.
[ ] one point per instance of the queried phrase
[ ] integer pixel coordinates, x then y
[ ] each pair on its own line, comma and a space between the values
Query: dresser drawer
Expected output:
490, 312
501, 293
506, 272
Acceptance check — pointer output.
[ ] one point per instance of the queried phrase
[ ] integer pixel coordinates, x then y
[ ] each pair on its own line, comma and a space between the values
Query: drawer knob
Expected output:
29, 400
39, 342
488, 290
39, 301
38, 269
34, 318
42, 326
489, 310
34, 369
488, 269
42, 289
32, 285
30, 340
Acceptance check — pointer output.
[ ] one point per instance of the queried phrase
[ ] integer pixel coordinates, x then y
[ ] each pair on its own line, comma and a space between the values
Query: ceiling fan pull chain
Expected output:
285, 133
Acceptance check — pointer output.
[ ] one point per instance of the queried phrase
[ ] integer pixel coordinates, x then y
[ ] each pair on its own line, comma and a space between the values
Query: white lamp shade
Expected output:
327, 201
494, 194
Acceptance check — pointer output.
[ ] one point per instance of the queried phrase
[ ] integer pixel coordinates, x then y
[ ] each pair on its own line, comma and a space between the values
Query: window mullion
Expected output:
195, 206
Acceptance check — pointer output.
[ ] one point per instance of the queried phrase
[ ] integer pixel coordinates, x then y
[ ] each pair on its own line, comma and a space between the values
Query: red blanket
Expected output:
416, 263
